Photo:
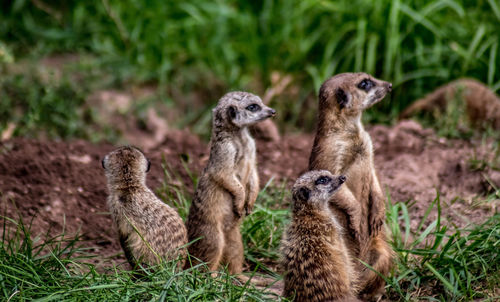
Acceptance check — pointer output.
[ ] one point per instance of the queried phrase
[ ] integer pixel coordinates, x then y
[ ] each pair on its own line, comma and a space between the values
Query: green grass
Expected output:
435, 261
440, 263
57, 269
262, 230
195, 51
41, 103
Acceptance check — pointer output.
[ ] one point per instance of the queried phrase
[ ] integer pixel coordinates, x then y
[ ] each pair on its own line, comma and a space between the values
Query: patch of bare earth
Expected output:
61, 184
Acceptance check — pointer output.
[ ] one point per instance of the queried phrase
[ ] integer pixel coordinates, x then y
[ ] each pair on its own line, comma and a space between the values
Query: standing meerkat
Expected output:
229, 184
342, 146
317, 264
148, 229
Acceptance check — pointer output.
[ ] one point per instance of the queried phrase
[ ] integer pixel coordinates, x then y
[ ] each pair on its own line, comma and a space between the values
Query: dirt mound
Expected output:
62, 183
414, 164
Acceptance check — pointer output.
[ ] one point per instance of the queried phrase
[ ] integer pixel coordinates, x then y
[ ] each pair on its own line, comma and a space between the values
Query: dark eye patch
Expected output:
366, 84
323, 180
253, 108
149, 166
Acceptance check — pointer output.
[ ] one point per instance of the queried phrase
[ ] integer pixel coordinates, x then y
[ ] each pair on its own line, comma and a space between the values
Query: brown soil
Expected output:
61, 184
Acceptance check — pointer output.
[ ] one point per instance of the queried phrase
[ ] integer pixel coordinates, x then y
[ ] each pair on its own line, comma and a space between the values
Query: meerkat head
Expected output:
240, 109
316, 188
349, 94
126, 166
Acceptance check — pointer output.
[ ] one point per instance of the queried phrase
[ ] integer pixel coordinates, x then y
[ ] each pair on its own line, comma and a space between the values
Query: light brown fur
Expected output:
482, 105
229, 184
148, 229
342, 146
317, 264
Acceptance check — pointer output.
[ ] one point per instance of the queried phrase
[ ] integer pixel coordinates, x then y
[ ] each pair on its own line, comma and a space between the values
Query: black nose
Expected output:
272, 112
389, 86
342, 178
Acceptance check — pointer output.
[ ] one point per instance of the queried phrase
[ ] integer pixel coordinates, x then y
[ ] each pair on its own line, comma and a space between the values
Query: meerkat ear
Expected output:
149, 166
323, 94
302, 194
342, 97
232, 112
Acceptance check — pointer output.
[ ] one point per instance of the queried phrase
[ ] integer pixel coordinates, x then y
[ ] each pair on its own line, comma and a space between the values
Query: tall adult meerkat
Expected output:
342, 146
229, 184
316, 262
148, 229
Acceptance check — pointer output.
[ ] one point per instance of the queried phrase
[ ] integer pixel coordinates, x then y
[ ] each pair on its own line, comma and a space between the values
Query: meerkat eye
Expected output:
323, 180
366, 84
253, 108
149, 166
102, 163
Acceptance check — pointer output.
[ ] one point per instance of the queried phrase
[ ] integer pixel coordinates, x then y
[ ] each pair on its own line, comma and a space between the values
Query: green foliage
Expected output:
57, 269
29, 104
434, 262
441, 263
263, 228
36, 103
222, 45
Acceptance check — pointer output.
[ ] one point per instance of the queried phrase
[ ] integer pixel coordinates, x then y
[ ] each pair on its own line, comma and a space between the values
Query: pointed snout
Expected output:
342, 179
389, 87
271, 112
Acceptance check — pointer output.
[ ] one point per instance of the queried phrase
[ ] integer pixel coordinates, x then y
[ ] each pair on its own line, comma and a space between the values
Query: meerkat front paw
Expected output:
354, 225
248, 209
238, 211
376, 223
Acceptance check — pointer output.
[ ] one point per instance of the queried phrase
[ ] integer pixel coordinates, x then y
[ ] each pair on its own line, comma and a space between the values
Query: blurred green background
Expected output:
191, 52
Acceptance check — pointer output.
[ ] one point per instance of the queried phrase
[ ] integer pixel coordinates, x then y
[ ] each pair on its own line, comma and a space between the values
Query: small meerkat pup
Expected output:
342, 146
317, 264
149, 230
229, 184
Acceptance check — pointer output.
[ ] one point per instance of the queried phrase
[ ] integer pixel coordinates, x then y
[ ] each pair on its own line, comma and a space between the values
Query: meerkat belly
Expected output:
224, 209
244, 169
358, 180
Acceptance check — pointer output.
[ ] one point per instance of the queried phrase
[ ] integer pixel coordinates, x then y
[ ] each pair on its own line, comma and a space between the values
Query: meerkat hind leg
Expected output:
233, 251
208, 248
371, 283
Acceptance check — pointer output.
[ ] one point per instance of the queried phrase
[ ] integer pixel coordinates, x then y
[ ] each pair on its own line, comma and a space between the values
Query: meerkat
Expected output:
342, 146
229, 184
149, 230
482, 105
316, 262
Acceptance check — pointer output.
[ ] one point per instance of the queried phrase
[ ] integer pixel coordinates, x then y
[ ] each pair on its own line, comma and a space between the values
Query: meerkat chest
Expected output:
359, 172
244, 160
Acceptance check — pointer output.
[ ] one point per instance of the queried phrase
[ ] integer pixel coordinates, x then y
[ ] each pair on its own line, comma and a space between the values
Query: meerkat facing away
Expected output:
342, 146
317, 264
229, 184
148, 229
